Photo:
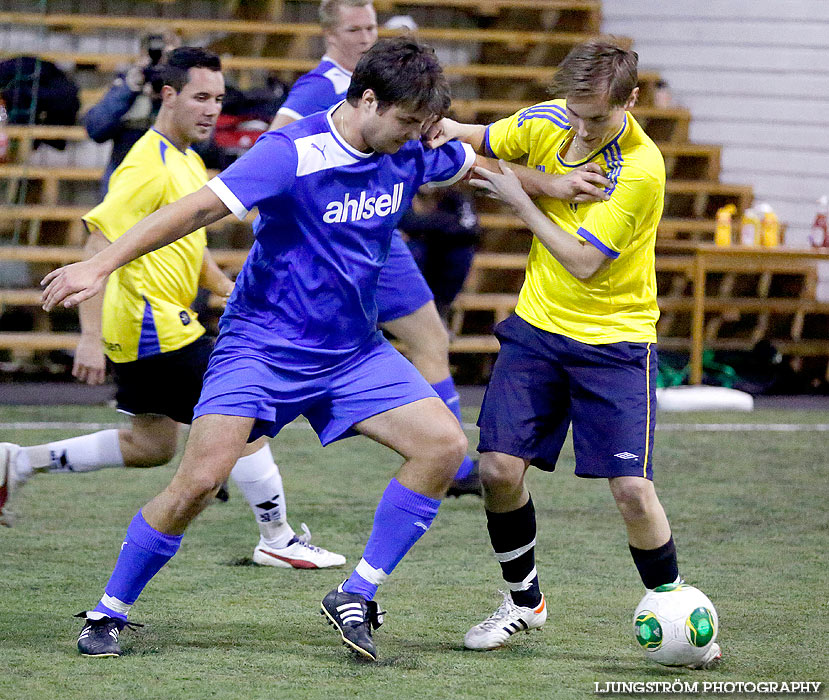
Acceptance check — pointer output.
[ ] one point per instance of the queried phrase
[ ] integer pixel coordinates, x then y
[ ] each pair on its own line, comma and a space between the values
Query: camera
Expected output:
154, 46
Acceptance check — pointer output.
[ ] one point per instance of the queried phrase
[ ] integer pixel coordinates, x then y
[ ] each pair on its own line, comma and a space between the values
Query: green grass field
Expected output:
748, 509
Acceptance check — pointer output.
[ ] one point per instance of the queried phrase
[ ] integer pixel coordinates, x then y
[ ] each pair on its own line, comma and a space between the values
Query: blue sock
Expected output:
144, 552
401, 518
449, 395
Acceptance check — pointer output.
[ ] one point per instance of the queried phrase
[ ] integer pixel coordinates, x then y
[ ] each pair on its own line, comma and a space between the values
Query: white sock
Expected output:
86, 453
258, 478
23, 466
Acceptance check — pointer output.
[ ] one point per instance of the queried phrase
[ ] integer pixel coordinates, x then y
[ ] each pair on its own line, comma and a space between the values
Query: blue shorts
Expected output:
375, 379
401, 289
542, 381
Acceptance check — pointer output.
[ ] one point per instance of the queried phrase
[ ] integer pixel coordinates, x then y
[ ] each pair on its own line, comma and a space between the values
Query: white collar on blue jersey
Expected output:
339, 138
328, 58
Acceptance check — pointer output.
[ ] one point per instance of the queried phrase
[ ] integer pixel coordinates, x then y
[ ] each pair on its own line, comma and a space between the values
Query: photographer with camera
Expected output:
131, 105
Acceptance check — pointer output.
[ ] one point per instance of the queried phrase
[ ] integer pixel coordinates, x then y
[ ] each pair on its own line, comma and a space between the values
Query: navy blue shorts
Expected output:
543, 381
375, 379
401, 289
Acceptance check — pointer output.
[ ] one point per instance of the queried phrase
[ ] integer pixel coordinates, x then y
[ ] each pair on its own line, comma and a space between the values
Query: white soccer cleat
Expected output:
9, 481
711, 659
298, 554
508, 619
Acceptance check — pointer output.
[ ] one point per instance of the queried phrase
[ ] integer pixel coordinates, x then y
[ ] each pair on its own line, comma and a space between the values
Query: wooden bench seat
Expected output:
580, 15
38, 341
532, 78
678, 234
701, 306
83, 24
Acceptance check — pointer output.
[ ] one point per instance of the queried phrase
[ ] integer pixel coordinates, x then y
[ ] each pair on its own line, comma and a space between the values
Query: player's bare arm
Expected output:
70, 285
89, 365
448, 129
579, 258
280, 120
584, 184
212, 278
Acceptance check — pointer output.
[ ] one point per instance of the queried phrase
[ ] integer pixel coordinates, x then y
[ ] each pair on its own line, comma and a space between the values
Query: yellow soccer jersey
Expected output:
618, 303
147, 302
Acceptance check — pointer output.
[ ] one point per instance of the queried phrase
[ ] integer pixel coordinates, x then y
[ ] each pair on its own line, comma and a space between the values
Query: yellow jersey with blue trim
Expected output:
147, 302
618, 303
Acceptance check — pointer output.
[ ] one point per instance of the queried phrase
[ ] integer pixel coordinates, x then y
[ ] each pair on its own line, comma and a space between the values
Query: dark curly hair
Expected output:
403, 72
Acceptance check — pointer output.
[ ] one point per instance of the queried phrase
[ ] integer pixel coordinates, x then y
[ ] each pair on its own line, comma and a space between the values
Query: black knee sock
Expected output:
656, 566
513, 538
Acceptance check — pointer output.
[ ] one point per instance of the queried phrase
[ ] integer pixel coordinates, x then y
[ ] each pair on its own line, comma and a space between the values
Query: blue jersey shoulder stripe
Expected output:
548, 108
553, 115
548, 117
613, 158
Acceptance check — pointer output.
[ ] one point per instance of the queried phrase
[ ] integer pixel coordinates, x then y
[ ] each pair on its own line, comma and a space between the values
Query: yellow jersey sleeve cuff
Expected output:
590, 238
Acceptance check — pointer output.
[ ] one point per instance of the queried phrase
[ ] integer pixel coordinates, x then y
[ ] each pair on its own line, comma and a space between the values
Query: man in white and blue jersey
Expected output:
405, 303
299, 333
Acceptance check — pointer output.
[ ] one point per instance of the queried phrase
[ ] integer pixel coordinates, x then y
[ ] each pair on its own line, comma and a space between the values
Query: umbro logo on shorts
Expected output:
363, 208
626, 455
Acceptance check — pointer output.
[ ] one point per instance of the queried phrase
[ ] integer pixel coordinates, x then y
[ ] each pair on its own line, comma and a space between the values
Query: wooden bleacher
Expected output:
286, 31
709, 297
718, 298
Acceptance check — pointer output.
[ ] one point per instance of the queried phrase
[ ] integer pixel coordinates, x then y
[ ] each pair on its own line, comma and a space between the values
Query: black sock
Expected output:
656, 566
513, 531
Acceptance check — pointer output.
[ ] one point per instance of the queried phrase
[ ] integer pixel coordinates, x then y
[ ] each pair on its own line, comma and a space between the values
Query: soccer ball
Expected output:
675, 625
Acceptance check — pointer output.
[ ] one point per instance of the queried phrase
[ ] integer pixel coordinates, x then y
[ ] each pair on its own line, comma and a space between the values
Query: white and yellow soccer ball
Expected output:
675, 625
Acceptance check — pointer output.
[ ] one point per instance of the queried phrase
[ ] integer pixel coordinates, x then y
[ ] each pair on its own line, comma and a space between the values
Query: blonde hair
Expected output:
330, 11
597, 68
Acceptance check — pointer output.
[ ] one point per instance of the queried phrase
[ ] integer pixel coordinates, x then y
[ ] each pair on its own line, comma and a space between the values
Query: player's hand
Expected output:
586, 183
70, 285
89, 365
504, 186
134, 77
441, 132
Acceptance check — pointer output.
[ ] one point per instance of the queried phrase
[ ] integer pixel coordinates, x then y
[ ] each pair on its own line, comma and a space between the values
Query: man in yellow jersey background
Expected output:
144, 324
580, 348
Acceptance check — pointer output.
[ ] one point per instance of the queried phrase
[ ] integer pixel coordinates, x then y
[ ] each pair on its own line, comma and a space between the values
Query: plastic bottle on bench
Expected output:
722, 233
819, 236
769, 227
750, 228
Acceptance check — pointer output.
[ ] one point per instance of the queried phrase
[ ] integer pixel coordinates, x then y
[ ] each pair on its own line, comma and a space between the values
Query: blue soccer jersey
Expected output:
317, 90
306, 294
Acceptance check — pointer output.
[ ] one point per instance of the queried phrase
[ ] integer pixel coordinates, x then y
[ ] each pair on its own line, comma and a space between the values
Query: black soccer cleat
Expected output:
99, 637
470, 485
354, 618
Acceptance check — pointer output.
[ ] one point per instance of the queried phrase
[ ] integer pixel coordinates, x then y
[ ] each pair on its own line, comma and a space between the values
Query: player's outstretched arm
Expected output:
582, 260
584, 184
89, 365
69, 286
448, 129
